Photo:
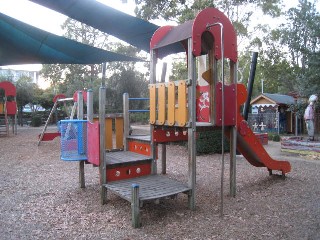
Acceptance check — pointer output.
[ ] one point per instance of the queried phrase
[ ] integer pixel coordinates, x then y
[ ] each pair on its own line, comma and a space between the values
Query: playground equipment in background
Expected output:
8, 108
59, 98
177, 111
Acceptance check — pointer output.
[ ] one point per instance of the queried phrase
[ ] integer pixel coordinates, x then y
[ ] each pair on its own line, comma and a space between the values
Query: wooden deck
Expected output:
150, 187
120, 158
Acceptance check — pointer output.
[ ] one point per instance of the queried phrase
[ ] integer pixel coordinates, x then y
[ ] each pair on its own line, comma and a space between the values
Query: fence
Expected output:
277, 123
266, 122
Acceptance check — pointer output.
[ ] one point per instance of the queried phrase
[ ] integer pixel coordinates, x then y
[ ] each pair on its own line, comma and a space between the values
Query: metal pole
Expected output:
90, 105
164, 146
233, 137
125, 120
222, 113
103, 80
192, 128
80, 117
135, 206
102, 166
222, 120
153, 145
250, 84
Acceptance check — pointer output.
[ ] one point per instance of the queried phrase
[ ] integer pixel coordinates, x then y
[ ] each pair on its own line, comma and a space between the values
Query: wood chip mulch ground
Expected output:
41, 199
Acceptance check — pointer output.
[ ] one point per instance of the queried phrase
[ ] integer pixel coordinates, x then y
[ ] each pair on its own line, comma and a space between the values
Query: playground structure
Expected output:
8, 109
129, 167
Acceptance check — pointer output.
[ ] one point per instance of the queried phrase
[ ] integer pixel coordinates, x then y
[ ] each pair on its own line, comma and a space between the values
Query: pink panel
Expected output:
203, 104
93, 143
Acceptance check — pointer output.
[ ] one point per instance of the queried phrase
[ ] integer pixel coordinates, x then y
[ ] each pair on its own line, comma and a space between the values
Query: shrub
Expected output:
210, 142
35, 121
276, 138
270, 136
139, 118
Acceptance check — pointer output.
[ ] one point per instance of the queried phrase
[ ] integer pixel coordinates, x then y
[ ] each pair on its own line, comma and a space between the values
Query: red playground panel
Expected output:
263, 138
50, 136
120, 173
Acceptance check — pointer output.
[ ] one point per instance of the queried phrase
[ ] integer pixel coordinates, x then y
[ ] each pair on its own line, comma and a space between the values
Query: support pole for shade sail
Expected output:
250, 84
103, 80
80, 117
126, 122
102, 166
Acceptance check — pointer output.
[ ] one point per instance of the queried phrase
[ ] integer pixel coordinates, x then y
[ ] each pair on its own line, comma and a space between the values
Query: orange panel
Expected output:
108, 133
141, 148
152, 91
119, 132
1, 108
161, 104
182, 103
171, 104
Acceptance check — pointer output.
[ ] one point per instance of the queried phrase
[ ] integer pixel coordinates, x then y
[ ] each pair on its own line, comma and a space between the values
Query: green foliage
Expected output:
173, 10
179, 71
35, 121
274, 137
126, 80
26, 91
140, 118
68, 78
210, 142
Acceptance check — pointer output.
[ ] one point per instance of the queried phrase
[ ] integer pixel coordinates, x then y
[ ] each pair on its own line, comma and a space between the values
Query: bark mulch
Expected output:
41, 199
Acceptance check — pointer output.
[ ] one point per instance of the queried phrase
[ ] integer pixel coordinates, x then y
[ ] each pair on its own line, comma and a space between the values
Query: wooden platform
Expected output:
150, 187
121, 158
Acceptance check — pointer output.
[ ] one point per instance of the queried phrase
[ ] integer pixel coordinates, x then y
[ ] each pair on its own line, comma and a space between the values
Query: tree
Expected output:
68, 78
126, 80
179, 71
25, 94
301, 36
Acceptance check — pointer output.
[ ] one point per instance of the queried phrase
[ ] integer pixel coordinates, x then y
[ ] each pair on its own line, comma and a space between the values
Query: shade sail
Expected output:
132, 30
21, 43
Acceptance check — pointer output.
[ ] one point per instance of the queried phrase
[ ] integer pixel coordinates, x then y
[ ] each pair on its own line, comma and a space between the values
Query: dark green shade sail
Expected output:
21, 43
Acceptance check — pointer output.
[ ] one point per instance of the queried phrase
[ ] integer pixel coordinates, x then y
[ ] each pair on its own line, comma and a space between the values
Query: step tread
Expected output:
150, 187
125, 157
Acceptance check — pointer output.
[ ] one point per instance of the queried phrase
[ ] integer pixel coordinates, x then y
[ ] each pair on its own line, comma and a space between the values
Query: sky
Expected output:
51, 21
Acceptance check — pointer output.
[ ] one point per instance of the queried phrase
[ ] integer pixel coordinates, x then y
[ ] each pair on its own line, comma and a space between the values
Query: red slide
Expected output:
249, 145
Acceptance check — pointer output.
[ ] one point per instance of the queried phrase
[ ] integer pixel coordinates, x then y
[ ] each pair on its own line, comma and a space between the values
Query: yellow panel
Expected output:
182, 103
152, 90
108, 133
171, 103
161, 104
119, 133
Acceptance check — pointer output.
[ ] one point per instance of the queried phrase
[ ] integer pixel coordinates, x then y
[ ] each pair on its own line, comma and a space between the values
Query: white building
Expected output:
14, 75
